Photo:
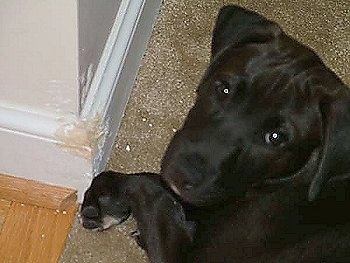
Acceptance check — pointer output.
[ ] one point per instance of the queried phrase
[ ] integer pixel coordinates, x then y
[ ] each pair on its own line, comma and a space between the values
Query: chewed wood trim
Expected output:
115, 75
36, 193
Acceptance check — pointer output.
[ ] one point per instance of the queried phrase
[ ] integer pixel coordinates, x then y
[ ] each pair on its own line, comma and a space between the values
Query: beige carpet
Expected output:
165, 89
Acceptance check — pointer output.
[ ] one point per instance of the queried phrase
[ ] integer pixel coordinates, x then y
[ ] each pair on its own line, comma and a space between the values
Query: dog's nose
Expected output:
195, 158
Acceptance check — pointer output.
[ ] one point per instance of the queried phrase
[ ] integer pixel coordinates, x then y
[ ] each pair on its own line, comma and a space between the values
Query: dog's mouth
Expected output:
175, 189
196, 196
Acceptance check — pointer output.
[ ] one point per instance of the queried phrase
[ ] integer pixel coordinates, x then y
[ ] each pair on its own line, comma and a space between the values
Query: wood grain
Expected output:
34, 234
36, 193
4, 208
35, 220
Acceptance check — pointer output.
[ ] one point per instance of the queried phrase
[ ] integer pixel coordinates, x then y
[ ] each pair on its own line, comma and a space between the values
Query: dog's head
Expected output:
268, 111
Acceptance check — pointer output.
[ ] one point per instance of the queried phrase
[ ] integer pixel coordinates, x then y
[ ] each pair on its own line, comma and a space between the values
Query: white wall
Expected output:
66, 72
38, 50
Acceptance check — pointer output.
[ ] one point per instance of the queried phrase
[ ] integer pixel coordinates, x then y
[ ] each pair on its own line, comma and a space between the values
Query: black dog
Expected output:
259, 172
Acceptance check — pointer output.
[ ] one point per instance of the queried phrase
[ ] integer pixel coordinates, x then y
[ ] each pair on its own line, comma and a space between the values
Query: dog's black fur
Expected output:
259, 171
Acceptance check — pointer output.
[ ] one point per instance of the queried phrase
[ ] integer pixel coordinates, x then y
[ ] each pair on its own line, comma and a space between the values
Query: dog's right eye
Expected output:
276, 138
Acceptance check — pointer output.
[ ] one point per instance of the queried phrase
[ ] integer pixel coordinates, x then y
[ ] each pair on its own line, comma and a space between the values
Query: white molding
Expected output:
36, 159
115, 75
28, 123
31, 149
112, 59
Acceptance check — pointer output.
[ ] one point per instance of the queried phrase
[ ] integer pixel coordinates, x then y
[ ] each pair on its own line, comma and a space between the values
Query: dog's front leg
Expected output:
163, 230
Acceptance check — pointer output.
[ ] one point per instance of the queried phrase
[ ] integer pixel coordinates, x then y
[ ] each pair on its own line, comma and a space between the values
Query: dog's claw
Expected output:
91, 224
135, 233
137, 236
90, 218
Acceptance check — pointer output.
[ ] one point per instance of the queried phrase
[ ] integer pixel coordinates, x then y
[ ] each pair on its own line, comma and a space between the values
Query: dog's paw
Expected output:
104, 203
90, 218
106, 213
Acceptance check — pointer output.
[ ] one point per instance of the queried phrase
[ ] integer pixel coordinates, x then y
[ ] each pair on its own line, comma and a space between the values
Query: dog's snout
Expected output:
187, 172
196, 159
195, 166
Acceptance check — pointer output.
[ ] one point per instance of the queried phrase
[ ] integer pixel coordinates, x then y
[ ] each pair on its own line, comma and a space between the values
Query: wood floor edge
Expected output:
34, 234
36, 193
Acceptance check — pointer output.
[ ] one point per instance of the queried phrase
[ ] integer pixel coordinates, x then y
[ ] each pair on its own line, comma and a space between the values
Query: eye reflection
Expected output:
226, 91
222, 87
275, 138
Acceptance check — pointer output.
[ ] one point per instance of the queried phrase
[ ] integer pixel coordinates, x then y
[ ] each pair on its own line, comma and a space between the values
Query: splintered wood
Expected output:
32, 232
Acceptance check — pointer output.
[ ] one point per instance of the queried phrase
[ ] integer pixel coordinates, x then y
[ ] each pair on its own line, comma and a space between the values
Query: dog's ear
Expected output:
238, 26
334, 160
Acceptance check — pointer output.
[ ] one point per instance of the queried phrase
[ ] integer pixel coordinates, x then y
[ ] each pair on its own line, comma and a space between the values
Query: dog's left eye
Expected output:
223, 88
276, 138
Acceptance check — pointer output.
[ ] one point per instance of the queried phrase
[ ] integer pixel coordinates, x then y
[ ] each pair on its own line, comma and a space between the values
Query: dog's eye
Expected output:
276, 138
223, 88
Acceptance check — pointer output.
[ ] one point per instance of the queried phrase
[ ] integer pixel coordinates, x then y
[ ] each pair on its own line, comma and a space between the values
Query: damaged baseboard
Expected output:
68, 151
116, 72
32, 149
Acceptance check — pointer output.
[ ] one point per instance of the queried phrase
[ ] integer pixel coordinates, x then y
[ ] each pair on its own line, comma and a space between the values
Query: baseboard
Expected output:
68, 151
116, 72
45, 149
21, 121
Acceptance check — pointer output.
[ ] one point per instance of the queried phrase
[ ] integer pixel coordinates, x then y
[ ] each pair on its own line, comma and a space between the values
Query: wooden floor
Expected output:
35, 220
